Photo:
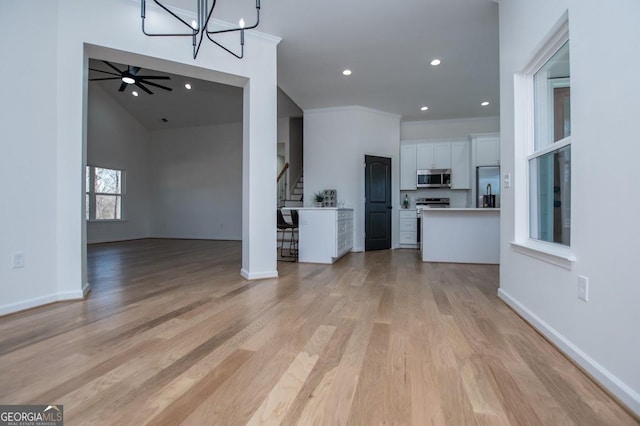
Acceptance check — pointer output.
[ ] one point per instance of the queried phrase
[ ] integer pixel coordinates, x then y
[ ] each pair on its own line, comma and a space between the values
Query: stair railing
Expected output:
282, 172
282, 186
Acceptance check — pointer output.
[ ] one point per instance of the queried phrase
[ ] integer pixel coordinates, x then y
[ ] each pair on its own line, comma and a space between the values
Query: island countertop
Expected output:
459, 209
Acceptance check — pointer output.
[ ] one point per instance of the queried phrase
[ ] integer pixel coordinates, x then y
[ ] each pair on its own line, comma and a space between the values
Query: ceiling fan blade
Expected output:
110, 65
122, 87
106, 78
150, 83
153, 77
106, 72
134, 70
143, 88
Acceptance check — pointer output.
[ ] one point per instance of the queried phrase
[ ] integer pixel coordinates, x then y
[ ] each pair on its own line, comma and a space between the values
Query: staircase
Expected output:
295, 199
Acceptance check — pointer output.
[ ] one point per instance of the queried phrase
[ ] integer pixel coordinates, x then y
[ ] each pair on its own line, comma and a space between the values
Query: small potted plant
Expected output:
318, 197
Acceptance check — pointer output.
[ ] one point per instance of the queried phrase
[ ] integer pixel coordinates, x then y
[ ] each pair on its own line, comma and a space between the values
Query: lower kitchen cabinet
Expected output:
408, 228
325, 234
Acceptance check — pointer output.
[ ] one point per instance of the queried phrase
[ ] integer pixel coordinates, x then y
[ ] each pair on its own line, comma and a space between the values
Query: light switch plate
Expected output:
17, 259
583, 288
507, 180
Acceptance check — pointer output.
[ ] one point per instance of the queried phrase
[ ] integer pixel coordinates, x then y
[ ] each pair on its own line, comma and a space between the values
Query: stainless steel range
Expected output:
428, 203
422, 203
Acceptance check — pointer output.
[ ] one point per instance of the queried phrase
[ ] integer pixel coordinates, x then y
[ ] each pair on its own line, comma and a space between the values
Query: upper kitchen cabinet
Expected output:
408, 167
460, 165
433, 156
487, 149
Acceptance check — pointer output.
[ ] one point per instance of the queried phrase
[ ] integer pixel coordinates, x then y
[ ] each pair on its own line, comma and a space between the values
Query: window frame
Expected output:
524, 132
91, 195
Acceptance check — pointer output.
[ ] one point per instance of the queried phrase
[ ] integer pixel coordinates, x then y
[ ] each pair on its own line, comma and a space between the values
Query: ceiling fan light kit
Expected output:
198, 28
130, 76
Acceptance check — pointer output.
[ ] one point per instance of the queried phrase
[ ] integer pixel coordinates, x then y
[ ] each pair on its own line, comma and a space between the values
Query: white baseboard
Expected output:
258, 275
86, 288
70, 295
623, 392
27, 304
43, 300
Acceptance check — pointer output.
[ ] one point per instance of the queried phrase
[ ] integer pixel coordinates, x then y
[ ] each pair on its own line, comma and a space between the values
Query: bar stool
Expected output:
285, 226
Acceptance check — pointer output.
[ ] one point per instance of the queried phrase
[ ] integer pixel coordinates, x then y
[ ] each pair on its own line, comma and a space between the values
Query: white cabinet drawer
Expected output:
407, 214
345, 214
408, 238
409, 225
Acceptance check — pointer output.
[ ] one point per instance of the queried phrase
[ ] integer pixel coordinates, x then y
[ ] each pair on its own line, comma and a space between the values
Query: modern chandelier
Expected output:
199, 27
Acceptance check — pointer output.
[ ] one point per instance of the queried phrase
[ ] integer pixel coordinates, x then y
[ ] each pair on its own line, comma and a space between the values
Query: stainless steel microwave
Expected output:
434, 178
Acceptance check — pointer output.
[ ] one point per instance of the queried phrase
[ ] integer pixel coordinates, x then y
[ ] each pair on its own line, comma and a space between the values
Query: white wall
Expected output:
336, 141
196, 182
602, 334
458, 128
48, 118
28, 213
116, 140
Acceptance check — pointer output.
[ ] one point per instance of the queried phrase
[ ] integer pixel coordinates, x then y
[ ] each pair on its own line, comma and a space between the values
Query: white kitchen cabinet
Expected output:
408, 228
460, 165
325, 234
408, 167
433, 155
487, 148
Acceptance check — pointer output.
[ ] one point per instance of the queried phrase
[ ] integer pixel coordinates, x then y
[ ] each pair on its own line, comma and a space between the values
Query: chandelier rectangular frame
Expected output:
198, 28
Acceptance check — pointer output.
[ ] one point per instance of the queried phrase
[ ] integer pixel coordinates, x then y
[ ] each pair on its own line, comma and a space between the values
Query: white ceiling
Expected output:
387, 44
206, 103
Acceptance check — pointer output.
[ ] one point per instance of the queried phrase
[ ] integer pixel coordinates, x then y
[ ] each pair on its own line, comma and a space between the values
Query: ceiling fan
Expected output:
130, 76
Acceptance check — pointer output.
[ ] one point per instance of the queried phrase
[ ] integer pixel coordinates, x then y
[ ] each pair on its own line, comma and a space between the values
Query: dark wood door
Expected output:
377, 209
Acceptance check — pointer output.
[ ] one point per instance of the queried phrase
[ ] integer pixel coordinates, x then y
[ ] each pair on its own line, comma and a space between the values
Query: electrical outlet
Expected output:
583, 288
17, 260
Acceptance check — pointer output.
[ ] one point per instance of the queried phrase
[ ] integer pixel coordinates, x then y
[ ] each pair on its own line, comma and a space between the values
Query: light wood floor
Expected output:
172, 334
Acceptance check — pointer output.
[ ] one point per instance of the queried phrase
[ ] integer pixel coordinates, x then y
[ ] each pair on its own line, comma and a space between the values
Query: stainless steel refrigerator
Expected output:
488, 187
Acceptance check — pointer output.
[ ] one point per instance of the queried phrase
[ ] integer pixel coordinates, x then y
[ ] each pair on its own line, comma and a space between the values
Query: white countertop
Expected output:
460, 209
316, 208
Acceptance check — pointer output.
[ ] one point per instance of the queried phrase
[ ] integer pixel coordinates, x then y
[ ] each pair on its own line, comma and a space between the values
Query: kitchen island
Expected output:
325, 233
460, 235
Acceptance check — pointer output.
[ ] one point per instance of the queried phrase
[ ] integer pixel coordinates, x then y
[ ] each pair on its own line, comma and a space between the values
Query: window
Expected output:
104, 193
549, 158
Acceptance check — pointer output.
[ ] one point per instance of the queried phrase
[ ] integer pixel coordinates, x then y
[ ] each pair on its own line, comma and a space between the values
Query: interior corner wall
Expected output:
196, 182
601, 335
116, 140
455, 128
336, 141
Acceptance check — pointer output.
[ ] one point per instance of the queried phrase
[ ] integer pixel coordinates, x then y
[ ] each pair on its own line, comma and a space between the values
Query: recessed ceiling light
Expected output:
346, 72
424, 108
485, 103
128, 80
134, 93
187, 86
436, 62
